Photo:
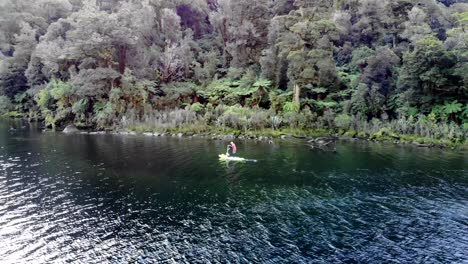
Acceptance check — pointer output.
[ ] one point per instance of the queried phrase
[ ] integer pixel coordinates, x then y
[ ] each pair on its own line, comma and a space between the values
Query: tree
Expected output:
241, 30
273, 62
456, 42
177, 54
94, 83
429, 69
379, 71
12, 78
376, 82
416, 27
306, 42
311, 59
373, 17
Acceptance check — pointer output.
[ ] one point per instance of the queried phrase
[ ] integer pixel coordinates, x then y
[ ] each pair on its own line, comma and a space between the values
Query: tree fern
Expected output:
453, 107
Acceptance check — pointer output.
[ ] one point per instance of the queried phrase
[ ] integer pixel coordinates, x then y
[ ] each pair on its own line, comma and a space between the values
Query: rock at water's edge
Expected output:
71, 129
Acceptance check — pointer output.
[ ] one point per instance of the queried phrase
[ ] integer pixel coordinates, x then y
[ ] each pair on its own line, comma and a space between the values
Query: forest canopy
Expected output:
96, 62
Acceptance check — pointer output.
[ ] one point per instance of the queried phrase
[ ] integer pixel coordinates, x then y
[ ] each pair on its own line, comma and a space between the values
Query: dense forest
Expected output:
360, 67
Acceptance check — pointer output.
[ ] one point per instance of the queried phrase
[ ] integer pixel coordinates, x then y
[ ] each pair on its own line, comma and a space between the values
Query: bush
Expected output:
291, 107
351, 133
5, 105
278, 100
465, 127
197, 108
259, 119
43, 99
104, 115
181, 117
343, 121
79, 109
276, 122
309, 117
61, 91
49, 119
329, 118
235, 117
291, 119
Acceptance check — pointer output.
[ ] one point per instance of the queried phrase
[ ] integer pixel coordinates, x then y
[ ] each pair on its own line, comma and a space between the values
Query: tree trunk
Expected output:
122, 59
297, 94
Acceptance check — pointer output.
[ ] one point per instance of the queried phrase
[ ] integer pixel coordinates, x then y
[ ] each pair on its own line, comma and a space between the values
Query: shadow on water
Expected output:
95, 198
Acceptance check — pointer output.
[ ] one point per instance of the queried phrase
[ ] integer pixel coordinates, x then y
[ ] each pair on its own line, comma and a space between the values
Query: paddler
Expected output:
231, 147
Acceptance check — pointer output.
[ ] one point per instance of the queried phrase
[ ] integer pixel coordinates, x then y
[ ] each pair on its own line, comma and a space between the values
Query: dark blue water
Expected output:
121, 199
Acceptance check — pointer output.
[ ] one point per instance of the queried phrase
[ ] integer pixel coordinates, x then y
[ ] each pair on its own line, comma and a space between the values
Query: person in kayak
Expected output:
233, 148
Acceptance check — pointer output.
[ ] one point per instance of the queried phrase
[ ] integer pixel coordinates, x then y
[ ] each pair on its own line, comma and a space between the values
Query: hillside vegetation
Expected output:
362, 67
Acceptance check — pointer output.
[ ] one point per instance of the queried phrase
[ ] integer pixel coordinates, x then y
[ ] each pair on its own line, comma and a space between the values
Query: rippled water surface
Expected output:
113, 199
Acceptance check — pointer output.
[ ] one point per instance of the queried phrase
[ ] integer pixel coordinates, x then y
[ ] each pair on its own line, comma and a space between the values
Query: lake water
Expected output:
114, 199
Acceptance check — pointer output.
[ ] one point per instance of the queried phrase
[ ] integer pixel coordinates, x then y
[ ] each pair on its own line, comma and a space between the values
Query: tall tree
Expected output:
429, 69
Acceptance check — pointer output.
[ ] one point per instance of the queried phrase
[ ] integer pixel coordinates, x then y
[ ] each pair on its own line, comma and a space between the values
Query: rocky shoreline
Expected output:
268, 139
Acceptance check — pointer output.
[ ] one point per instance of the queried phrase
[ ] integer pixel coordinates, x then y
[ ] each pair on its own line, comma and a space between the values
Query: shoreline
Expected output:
271, 136
384, 135
266, 135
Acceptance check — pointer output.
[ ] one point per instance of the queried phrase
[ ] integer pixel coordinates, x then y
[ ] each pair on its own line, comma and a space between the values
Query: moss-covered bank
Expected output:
243, 122
384, 135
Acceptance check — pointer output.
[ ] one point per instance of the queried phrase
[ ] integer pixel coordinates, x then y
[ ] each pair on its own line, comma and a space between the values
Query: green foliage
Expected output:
276, 122
24, 103
21, 97
359, 101
291, 107
197, 107
49, 119
429, 69
465, 127
343, 121
55, 102
350, 80
264, 83
452, 107
360, 57
464, 114
319, 90
43, 99
247, 90
351, 133
61, 91
104, 114
218, 90
136, 91
279, 99
413, 111
5, 104
454, 110
320, 106
115, 94
176, 94
235, 117
385, 134
79, 108
462, 18
325, 104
